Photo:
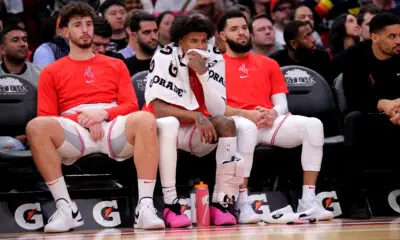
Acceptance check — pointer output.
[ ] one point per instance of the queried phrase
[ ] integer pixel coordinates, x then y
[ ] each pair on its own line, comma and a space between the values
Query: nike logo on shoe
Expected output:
136, 217
277, 216
75, 214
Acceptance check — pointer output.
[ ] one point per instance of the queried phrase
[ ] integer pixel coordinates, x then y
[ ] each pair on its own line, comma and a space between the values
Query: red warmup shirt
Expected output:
67, 83
252, 80
197, 89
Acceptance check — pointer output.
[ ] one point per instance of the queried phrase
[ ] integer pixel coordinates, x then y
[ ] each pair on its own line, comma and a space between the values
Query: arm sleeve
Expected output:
47, 96
126, 97
43, 56
277, 81
215, 103
356, 87
280, 103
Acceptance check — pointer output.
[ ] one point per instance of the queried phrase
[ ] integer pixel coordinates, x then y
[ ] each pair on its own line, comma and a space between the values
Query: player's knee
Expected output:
142, 121
224, 126
168, 126
247, 134
38, 126
315, 131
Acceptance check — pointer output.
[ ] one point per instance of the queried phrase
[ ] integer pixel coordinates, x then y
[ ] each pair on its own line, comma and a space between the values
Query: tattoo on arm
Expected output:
202, 120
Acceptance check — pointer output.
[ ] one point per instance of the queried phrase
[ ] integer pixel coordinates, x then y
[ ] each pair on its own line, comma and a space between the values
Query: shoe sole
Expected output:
157, 226
59, 230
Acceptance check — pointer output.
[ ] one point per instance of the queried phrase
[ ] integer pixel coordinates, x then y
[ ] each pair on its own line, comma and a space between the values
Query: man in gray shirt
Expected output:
14, 48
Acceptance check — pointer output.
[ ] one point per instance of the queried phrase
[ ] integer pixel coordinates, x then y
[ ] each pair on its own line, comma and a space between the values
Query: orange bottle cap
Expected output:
201, 185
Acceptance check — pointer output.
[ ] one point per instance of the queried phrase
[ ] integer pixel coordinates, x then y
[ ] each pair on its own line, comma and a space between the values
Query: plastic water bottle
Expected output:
202, 204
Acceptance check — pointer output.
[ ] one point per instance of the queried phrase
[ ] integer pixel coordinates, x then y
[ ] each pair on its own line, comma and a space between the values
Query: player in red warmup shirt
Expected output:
256, 91
85, 105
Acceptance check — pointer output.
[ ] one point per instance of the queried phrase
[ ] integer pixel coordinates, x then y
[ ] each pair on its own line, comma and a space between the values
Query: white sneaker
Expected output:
146, 216
247, 214
66, 217
287, 216
318, 211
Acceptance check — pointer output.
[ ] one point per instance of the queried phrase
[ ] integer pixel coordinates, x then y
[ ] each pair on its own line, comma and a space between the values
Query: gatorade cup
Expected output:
202, 205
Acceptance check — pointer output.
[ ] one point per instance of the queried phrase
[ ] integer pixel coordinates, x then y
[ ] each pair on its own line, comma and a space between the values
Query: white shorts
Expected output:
267, 136
78, 142
189, 141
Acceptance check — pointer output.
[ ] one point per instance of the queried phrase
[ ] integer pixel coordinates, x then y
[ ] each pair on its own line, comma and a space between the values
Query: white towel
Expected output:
168, 77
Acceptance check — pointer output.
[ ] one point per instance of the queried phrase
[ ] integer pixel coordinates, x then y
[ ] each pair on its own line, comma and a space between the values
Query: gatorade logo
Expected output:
330, 202
185, 207
29, 216
394, 200
106, 213
260, 204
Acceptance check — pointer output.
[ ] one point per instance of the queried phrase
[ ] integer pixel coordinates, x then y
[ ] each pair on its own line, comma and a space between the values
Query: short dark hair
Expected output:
228, 15
382, 20
75, 9
291, 31
162, 15
141, 16
185, 24
102, 27
108, 3
12, 20
256, 17
7, 29
371, 8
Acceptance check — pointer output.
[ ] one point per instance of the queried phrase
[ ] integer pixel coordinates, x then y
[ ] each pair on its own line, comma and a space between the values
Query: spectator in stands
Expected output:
87, 104
164, 22
146, 5
145, 33
115, 13
256, 91
132, 45
304, 14
281, 13
364, 18
388, 6
14, 48
102, 37
301, 49
371, 85
53, 50
184, 116
345, 32
263, 35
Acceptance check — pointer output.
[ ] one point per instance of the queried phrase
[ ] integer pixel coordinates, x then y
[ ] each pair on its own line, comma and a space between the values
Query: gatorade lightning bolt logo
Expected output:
106, 213
327, 202
29, 216
257, 205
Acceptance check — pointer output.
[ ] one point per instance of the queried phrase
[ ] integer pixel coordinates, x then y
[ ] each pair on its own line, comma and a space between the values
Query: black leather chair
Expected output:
339, 94
18, 101
310, 95
139, 84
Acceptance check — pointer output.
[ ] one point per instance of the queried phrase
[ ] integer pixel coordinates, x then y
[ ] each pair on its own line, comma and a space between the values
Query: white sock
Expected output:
169, 194
226, 149
308, 193
58, 189
243, 195
146, 188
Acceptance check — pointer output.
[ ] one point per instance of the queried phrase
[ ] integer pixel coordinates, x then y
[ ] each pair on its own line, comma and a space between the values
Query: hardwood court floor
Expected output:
378, 228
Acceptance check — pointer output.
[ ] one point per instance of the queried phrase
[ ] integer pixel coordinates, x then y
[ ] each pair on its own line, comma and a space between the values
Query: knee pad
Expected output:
247, 135
168, 126
315, 132
229, 177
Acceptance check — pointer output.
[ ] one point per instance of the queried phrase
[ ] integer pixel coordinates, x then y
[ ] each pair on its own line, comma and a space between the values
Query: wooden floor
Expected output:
384, 228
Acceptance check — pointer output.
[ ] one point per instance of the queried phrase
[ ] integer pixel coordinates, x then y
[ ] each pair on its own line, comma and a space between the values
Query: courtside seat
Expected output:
139, 84
310, 95
18, 100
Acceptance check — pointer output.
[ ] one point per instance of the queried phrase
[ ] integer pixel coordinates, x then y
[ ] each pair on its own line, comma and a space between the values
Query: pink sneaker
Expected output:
174, 217
221, 215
